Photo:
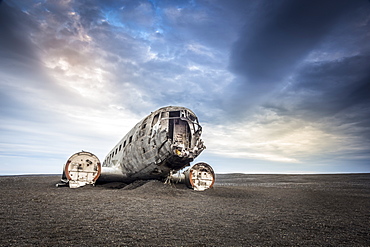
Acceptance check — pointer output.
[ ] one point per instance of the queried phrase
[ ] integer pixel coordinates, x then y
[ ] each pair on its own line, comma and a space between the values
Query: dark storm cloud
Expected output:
281, 34
335, 95
15, 44
339, 89
278, 37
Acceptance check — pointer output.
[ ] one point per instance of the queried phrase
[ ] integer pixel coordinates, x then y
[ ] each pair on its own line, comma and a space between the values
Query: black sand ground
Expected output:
241, 210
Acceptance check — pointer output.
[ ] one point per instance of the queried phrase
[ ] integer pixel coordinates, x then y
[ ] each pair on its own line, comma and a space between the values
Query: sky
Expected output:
278, 86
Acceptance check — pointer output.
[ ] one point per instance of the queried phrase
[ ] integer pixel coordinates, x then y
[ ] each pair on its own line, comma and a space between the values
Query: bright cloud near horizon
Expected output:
278, 86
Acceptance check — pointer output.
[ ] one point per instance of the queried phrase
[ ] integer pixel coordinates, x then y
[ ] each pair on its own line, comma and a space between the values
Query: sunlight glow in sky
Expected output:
279, 86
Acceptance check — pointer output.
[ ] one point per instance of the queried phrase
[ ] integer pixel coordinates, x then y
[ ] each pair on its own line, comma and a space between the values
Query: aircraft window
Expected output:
124, 144
191, 117
155, 119
130, 140
174, 113
120, 146
142, 131
196, 127
116, 151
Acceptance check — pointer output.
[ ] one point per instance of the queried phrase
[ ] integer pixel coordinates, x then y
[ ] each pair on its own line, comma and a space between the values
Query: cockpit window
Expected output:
174, 114
192, 117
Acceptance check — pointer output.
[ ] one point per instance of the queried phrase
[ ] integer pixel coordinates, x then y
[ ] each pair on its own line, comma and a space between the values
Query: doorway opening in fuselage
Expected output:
179, 130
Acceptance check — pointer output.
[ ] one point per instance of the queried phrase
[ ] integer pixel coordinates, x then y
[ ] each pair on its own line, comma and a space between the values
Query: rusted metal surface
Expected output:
162, 143
200, 177
80, 169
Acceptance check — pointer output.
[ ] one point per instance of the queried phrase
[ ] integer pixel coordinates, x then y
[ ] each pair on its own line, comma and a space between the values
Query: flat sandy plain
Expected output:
241, 210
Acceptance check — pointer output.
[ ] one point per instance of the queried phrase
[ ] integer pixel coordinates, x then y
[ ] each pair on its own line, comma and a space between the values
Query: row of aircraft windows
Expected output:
154, 121
121, 147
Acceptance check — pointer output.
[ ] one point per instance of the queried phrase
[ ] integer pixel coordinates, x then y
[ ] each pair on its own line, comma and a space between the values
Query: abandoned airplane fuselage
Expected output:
156, 148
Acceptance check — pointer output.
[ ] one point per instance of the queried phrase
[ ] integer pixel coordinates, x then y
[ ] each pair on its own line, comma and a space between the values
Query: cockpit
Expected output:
186, 116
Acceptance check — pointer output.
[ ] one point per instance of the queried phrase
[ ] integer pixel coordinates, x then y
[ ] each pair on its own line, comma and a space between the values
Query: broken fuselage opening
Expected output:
183, 131
183, 137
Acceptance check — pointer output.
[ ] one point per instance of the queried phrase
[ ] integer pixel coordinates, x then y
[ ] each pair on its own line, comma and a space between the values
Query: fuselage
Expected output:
165, 141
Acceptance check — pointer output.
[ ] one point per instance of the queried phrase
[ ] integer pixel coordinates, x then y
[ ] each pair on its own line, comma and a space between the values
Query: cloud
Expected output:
305, 64
271, 81
15, 43
270, 137
277, 39
330, 87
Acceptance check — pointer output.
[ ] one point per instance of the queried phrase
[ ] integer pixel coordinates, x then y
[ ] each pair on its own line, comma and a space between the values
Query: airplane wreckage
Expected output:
158, 147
